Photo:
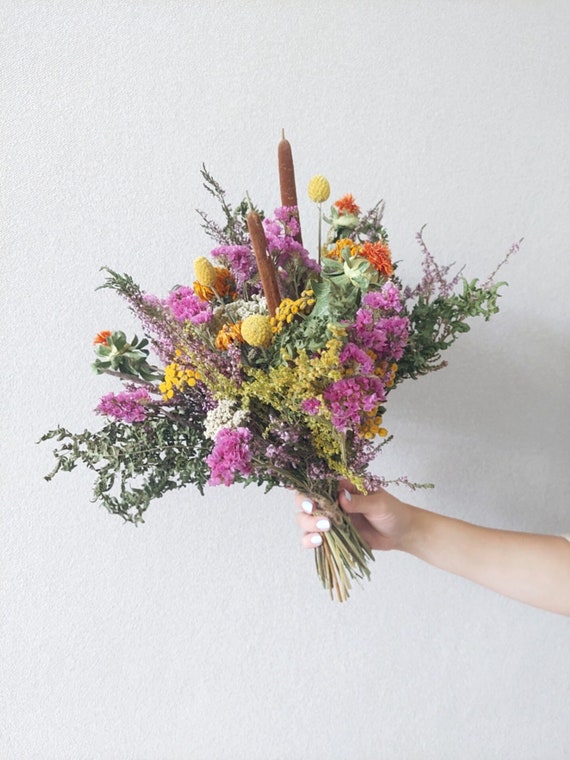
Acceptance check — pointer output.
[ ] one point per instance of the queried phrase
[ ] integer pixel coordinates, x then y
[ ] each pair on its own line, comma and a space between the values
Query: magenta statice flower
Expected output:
311, 405
396, 330
289, 217
281, 244
239, 259
128, 406
230, 456
281, 247
186, 306
376, 325
349, 397
272, 228
386, 335
352, 354
368, 332
388, 299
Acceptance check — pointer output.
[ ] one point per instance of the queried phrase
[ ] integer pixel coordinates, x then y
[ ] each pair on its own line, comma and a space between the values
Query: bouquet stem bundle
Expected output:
342, 557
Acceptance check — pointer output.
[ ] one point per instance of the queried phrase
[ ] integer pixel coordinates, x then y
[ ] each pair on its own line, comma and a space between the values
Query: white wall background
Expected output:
204, 634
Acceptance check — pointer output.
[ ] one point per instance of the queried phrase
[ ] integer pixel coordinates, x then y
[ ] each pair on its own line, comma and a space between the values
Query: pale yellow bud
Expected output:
205, 272
319, 189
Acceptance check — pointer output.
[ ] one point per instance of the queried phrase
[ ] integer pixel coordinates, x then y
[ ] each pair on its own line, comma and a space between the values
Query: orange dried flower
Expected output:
102, 337
203, 293
228, 335
224, 286
340, 245
346, 205
378, 254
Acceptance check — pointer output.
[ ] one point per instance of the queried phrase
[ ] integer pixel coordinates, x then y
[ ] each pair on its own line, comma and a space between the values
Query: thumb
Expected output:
350, 499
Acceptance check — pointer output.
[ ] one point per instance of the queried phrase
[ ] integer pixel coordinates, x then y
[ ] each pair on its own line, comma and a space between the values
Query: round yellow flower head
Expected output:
205, 272
256, 330
319, 189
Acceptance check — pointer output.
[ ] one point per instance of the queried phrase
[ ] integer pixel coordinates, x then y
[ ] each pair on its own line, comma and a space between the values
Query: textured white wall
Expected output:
203, 634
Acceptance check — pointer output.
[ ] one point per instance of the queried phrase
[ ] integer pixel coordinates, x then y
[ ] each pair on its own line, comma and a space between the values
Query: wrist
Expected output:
414, 521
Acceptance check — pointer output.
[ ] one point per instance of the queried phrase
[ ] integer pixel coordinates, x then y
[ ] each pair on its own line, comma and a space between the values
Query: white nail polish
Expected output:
316, 540
323, 524
348, 495
307, 506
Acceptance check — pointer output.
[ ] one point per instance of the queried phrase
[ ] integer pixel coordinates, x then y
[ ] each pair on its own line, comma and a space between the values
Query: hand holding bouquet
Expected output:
272, 367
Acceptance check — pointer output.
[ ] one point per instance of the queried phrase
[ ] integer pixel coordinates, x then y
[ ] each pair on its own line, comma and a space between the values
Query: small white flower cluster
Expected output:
238, 310
224, 415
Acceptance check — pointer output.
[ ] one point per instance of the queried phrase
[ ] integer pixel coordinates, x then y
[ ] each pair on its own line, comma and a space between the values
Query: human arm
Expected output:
531, 568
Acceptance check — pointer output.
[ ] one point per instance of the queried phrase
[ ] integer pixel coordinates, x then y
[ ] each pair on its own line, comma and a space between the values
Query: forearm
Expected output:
533, 569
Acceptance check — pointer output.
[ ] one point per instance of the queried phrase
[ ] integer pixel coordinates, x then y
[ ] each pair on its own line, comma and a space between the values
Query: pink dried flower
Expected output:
129, 406
387, 299
186, 306
230, 456
349, 397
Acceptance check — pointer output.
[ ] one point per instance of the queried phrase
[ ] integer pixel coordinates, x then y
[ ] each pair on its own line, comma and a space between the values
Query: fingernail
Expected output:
348, 495
323, 524
307, 506
316, 540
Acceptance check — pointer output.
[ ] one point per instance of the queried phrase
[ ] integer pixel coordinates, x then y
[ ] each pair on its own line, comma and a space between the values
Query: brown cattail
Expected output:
265, 266
287, 178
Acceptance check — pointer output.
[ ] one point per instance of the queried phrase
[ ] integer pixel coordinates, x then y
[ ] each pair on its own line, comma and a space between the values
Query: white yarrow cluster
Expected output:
257, 305
238, 310
225, 415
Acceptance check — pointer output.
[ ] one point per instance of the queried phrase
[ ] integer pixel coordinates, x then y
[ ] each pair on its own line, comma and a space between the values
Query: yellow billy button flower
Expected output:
319, 189
205, 272
256, 330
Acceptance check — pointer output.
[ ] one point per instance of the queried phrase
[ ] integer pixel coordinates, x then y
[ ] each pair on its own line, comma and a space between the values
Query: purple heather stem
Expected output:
434, 274
513, 249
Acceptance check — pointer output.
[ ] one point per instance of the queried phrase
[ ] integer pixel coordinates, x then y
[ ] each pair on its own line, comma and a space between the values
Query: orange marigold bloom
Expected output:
102, 337
378, 254
346, 205
223, 286
228, 335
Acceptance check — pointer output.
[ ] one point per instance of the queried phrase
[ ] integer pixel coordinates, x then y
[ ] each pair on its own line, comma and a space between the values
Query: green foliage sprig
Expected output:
136, 463
123, 357
436, 324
